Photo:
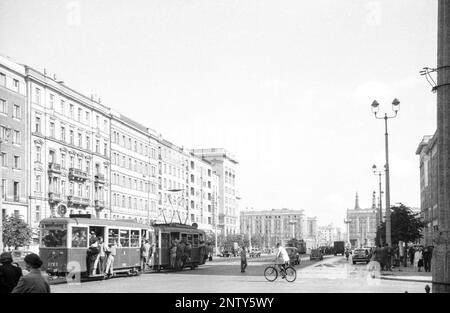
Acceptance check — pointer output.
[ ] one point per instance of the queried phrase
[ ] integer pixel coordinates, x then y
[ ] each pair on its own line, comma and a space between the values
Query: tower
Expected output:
357, 202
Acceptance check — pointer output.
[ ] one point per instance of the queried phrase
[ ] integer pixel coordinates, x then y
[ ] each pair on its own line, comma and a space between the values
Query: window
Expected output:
16, 191
79, 237
2, 79
52, 237
97, 121
88, 143
63, 107
135, 238
37, 214
16, 162
3, 106
17, 138
4, 188
16, 112
97, 146
105, 125
88, 167
124, 238
71, 111
16, 85
71, 137
71, 162
4, 159
63, 160
87, 118
63, 187
63, 133
52, 129
113, 236
79, 114
37, 95
37, 124
80, 141
52, 101
37, 187
105, 149
38, 154
71, 189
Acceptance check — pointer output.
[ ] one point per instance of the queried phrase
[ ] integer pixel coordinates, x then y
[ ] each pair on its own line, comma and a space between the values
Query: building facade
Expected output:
427, 151
273, 226
134, 162
69, 150
362, 225
14, 146
224, 165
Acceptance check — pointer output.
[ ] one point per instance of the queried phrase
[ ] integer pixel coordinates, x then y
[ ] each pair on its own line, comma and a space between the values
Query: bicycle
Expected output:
271, 272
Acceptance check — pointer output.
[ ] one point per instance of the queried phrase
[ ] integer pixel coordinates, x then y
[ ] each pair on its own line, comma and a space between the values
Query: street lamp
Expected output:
380, 210
347, 222
395, 108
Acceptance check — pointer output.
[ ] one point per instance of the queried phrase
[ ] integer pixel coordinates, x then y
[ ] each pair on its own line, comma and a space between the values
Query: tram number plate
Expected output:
52, 264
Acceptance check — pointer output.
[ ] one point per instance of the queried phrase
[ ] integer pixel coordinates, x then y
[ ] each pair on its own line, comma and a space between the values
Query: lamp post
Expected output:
380, 209
347, 222
395, 108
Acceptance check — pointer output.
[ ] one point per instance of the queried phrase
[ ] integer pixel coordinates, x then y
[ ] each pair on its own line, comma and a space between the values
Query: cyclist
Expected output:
284, 255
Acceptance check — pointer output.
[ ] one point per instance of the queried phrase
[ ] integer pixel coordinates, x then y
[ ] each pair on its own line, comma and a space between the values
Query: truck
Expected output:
339, 247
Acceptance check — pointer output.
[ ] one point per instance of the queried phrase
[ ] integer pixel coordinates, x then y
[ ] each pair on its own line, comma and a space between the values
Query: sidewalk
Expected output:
407, 274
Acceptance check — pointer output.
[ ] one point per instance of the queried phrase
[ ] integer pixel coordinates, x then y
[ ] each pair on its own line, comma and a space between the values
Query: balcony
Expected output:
99, 179
100, 205
79, 202
77, 174
53, 168
54, 198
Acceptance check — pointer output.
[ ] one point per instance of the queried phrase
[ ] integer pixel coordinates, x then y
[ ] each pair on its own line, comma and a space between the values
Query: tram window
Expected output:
165, 240
184, 237
135, 238
189, 238
113, 236
54, 238
79, 237
124, 238
195, 244
143, 234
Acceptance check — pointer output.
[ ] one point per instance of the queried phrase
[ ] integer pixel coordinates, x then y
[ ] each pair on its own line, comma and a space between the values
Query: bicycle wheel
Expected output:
270, 273
291, 274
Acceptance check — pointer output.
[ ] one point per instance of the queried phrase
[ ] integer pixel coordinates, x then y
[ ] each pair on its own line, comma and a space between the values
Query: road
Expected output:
333, 274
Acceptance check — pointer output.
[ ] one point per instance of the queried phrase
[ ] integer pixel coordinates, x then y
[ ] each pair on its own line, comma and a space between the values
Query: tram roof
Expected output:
94, 221
177, 225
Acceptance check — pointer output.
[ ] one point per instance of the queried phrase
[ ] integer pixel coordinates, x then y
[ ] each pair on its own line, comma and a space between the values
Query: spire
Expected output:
374, 201
357, 202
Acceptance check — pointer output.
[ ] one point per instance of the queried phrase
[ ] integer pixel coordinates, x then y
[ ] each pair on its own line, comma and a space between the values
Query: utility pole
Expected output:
441, 253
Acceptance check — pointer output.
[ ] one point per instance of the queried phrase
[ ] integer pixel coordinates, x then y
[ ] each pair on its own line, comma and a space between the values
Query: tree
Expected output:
16, 233
406, 226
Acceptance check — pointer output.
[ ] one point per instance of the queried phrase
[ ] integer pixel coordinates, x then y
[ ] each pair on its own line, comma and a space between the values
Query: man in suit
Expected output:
34, 281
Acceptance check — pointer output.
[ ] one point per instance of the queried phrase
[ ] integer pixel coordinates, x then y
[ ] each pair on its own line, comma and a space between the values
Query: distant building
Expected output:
362, 226
427, 151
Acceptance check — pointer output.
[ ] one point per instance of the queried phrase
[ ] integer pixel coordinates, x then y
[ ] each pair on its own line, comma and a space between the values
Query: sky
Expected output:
285, 86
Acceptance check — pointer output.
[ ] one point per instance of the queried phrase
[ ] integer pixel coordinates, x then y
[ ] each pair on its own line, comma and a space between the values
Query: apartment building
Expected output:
69, 150
134, 162
13, 140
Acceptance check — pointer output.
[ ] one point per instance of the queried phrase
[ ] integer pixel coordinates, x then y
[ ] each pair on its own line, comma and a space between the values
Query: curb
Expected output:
405, 279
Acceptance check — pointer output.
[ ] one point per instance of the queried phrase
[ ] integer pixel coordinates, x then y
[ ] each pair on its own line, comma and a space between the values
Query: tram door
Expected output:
165, 247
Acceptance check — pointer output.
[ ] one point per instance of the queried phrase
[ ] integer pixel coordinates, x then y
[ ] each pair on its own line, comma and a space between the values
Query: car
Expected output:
294, 255
255, 253
225, 254
19, 256
316, 255
361, 255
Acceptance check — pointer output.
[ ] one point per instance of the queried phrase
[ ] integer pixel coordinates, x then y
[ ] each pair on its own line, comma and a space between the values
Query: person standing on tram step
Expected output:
202, 252
243, 259
101, 256
94, 253
111, 253
150, 256
145, 253
9, 273
34, 281
173, 255
180, 252
187, 253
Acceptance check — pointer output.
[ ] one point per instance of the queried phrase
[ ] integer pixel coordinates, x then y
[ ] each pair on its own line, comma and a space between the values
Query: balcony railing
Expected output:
54, 197
100, 204
99, 178
54, 168
74, 201
77, 174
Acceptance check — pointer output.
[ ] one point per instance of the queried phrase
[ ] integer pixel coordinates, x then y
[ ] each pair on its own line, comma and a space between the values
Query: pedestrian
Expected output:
101, 256
201, 249
417, 257
9, 273
243, 260
150, 255
34, 281
389, 257
426, 259
411, 253
188, 252
184, 254
111, 253
173, 255
145, 254
420, 262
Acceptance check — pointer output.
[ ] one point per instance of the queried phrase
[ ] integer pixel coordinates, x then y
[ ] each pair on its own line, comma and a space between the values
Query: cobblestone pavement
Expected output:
333, 274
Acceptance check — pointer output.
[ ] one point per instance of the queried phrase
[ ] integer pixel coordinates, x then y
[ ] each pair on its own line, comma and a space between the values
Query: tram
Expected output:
64, 242
166, 234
